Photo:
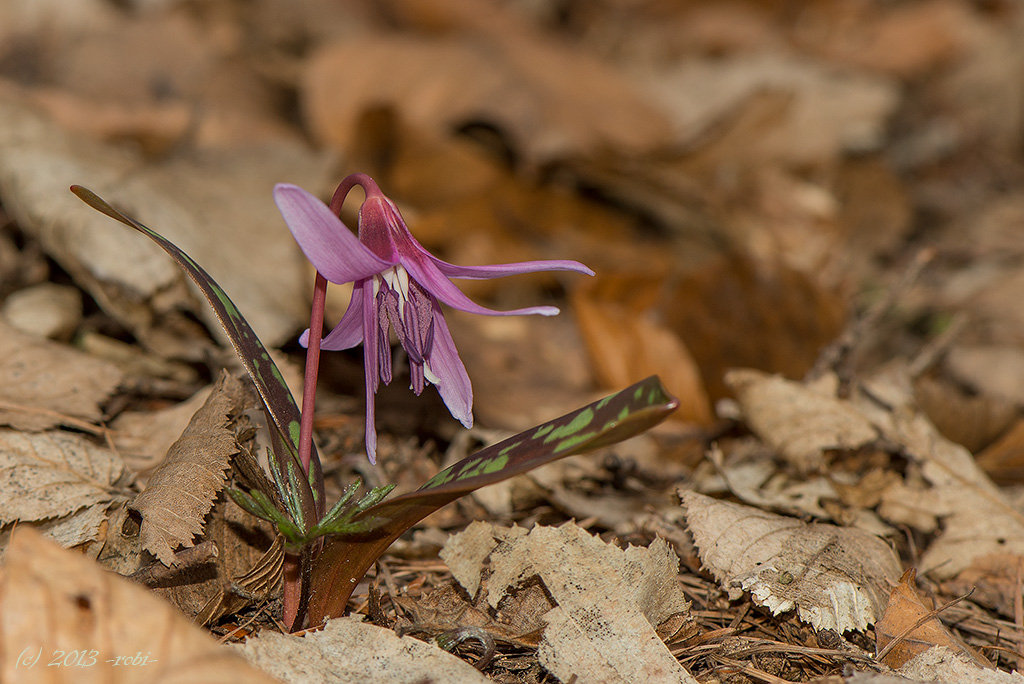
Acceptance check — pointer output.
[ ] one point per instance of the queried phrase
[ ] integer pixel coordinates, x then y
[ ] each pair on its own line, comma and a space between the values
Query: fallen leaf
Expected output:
180, 492
836, 578
143, 438
733, 312
625, 346
902, 40
552, 102
941, 664
44, 384
216, 205
93, 618
992, 581
827, 110
46, 310
348, 650
991, 370
609, 600
1004, 459
799, 421
52, 474
246, 570
973, 420
907, 606
977, 518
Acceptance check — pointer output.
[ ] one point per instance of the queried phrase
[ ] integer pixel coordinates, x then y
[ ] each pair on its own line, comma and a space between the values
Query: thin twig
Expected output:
836, 356
157, 573
932, 614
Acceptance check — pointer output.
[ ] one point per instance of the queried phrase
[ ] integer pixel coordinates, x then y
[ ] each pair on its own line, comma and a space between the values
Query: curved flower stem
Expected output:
316, 329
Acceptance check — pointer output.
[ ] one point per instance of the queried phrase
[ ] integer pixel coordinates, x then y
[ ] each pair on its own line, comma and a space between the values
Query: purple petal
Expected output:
452, 380
349, 330
370, 366
501, 270
328, 244
437, 284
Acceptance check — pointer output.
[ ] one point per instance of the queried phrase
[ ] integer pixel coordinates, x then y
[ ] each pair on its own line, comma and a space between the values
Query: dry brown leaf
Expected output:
143, 438
92, 617
948, 666
907, 606
181, 491
43, 383
826, 110
551, 101
995, 370
348, 650
626, 346
836, 578
902, 40
977, 518
74, 530
609, 600
256, 584
735, 313
52, 474
799, 421
1004, 459
246, 570
45, 310
216, 206
973, 420
992, 581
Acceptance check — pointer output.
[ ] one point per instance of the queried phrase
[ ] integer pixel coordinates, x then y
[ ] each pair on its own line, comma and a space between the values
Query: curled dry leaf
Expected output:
43, 383
799, 421
907, 607
347, 650
836, 578
609, 600
97, 617
181, 491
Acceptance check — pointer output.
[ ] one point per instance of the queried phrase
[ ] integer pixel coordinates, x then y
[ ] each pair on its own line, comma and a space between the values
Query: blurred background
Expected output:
744, 177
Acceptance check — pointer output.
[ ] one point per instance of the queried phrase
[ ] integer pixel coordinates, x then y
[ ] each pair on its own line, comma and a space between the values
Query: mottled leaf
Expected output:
612, 419
270, 383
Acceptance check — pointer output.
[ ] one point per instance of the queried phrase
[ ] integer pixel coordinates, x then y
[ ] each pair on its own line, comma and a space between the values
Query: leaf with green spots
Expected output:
345, 559
266, 376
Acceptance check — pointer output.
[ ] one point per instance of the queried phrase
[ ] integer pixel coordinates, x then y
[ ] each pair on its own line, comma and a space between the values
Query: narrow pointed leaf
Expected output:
266, 376
345, 559
248, 504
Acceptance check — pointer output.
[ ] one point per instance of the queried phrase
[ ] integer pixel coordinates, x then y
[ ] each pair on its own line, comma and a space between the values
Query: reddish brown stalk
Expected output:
316, 329
292, 589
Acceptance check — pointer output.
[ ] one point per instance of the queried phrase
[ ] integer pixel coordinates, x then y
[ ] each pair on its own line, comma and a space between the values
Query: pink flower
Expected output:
398, 285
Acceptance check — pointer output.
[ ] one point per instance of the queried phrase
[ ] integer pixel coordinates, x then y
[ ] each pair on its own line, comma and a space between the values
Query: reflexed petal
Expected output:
501, 270
436, 283
452, 380
328, 244
349, 330
370, 366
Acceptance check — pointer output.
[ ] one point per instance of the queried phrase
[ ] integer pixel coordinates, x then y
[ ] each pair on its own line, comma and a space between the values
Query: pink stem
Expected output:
316, 330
